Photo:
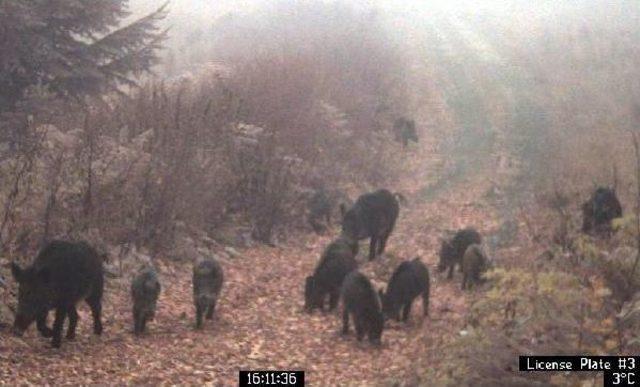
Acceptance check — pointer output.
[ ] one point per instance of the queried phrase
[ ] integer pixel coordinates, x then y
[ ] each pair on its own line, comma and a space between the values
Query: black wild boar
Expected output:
474, 264
321, 207
408, 281
336, 262
404, 130
451, 251
361, 301
602, 207
373, 215
145, 289
63, 274
207, 283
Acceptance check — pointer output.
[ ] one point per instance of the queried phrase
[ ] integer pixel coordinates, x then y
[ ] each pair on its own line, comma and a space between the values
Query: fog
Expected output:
291, 142
553, 57
190, 18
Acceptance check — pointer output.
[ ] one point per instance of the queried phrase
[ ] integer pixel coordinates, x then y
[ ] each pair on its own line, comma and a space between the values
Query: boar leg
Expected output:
372, 247
143, 322
199, 313
136, 323
41, 323
357, 321
383, 243
95, 303
425, 303
345, 321
333, 299
73, 322
210, 310
406, 311
61, 315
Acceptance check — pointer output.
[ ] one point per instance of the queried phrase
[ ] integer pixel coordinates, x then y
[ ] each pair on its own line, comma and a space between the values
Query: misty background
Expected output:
563, 52
253, 108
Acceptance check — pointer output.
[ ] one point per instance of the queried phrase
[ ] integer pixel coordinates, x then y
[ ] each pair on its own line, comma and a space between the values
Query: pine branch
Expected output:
53, 44
130, 38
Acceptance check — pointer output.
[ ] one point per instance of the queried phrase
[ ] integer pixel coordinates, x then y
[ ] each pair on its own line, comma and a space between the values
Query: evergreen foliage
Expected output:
73, 48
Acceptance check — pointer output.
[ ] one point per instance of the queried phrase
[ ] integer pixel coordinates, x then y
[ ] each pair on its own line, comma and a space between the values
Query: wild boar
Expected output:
63, 274
361, 302
372, 216
336, 262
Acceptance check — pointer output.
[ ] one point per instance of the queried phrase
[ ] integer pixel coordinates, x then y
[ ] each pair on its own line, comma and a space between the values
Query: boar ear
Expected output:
16, 271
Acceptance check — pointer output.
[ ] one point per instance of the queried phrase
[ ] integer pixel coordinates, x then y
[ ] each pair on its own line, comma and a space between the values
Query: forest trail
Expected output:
259, 323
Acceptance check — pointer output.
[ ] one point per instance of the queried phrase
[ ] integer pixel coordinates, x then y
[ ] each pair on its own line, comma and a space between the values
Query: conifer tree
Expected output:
73, 48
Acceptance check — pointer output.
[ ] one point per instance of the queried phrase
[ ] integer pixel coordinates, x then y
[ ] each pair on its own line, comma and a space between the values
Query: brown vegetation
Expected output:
516, 125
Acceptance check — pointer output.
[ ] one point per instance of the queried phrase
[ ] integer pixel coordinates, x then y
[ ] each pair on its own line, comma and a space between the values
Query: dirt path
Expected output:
259, 323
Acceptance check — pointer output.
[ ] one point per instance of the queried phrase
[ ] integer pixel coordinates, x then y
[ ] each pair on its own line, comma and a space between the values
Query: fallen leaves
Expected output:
259, 322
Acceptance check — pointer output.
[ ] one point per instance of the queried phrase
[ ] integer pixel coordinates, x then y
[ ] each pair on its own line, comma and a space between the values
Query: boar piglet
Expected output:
408, 281
452, 250
602, 207
145, 289
337, 260
207, 284
361, 302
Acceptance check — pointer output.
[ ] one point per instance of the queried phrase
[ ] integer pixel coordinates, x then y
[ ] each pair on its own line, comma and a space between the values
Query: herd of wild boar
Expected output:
65, 273
336, 276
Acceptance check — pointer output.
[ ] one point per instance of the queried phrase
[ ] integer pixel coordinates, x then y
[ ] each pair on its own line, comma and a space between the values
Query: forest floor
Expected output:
259, 323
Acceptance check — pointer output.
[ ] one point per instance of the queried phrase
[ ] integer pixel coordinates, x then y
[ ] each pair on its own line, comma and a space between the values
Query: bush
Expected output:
529, 312
238, 142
